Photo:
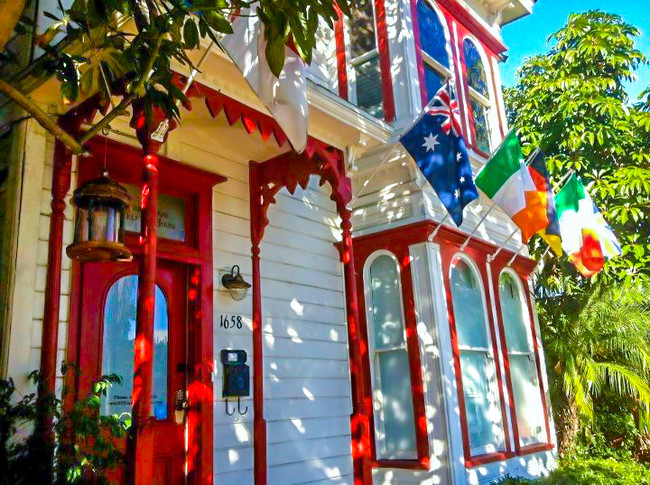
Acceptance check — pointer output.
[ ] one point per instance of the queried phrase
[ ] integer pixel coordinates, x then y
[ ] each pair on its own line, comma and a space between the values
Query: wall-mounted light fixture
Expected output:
235, 284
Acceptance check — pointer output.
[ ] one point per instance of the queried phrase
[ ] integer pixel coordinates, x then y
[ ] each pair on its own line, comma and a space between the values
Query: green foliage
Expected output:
572, 103
139, 40
87, 441
590, 471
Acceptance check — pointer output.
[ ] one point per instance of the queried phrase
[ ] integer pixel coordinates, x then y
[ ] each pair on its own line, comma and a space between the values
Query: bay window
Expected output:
364, 58
433, 44
527, 394
478, 369
392, 393
479, 95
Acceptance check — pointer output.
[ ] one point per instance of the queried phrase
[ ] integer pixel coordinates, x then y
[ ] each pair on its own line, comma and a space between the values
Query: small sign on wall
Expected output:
171, 215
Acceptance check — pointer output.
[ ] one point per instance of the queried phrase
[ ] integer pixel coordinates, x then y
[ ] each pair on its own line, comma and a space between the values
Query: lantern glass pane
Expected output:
82, 225
100, 221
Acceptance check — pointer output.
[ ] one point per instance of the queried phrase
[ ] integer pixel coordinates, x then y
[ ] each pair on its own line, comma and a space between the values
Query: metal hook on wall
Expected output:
239, 407
233, 409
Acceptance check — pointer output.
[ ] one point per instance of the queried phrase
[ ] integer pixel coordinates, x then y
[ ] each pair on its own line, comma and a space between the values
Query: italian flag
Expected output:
506, 181
586, 236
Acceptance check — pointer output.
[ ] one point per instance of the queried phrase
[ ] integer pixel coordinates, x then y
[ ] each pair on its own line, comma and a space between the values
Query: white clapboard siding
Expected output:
306, 357
323, 67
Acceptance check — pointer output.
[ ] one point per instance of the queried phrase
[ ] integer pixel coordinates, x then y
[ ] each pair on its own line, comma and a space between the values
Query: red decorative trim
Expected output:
402, 464
469, 22
489, 458
384, 61
266, 180
341, 62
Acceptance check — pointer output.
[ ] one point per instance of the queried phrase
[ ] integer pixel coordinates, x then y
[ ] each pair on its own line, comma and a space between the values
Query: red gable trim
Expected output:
468, 21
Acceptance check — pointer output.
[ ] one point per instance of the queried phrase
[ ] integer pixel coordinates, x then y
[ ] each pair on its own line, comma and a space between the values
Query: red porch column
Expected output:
141, 443
360, 423
60, 186
259, 423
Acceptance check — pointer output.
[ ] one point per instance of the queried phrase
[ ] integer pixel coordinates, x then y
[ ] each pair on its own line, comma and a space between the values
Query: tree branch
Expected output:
41, 116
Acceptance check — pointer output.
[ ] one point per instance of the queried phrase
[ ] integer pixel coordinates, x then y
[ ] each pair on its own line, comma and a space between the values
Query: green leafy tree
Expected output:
126, 47
572, 103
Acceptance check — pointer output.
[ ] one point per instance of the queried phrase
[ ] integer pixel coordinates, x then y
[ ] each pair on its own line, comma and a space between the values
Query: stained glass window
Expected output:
479, 95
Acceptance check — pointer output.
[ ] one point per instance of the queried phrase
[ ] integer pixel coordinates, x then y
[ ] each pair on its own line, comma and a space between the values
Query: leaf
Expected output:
274, 52
191, 34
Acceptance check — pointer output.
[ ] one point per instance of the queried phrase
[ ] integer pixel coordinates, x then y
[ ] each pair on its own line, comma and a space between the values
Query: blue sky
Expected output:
527, 36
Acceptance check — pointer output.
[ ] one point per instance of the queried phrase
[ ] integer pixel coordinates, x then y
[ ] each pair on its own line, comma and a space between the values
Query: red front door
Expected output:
108, 316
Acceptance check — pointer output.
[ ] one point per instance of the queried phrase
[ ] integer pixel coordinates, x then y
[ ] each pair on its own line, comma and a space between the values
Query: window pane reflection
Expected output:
432, 35
529, 409
361, 25
117, 350
368, 85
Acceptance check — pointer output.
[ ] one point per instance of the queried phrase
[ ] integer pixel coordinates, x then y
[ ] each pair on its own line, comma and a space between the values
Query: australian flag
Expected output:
437, 146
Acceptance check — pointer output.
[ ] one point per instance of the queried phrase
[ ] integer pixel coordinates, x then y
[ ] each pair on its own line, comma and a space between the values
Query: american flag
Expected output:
444, 103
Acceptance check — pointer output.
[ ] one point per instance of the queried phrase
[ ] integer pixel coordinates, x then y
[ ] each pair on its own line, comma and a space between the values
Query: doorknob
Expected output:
180, 409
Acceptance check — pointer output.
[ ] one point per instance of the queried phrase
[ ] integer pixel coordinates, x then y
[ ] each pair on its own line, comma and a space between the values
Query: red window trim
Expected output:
388, 97
448, 253
401, 253
497, 268
450, 240
198, 257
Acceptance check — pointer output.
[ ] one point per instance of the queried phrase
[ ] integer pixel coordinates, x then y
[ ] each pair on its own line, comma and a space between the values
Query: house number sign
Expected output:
231, 321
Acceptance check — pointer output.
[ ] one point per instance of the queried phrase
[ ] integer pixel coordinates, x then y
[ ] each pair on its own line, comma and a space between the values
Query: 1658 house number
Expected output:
230, 321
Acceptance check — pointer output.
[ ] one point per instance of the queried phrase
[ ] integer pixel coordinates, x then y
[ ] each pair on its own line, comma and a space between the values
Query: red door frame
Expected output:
125, 164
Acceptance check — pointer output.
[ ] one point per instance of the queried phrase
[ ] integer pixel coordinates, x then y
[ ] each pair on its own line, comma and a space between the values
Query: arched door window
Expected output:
523, 368
433, 41
479, 95
478, 371
391, 377
117, 347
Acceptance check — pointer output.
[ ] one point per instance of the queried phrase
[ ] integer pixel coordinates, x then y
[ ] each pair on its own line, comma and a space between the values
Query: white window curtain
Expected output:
391, 379
478, 372
523, 370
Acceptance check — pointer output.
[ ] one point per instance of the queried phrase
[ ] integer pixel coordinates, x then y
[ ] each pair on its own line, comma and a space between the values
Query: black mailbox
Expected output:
236, 374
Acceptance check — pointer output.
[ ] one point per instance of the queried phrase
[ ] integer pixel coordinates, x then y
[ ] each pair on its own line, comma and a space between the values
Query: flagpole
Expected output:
478, 224
435, 232
512, 260
365, 184
492, 257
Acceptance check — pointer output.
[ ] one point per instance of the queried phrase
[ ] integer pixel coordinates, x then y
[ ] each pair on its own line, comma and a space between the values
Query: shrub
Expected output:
87, 442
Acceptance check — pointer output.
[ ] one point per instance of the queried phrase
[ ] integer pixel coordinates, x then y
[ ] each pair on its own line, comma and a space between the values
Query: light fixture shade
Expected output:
235, 284
100, 215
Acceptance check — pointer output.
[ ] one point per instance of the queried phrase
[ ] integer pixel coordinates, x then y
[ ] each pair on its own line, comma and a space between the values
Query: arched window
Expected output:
479, 95
478, 371
117, 350
364, 58
433, 41
391, 377
531, 424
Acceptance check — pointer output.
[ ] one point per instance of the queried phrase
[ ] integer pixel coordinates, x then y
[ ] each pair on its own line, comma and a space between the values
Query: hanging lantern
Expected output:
99, 229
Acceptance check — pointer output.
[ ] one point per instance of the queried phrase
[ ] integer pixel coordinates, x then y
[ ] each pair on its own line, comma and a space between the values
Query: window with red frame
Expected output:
479, 95
478, 368
434, 42
364, 58
527, 393
395, 432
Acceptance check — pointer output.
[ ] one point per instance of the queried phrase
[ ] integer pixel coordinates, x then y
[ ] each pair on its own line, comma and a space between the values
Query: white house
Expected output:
383, 346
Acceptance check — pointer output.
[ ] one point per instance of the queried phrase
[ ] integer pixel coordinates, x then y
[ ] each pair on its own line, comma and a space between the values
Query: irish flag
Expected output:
586, 237
506, 181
